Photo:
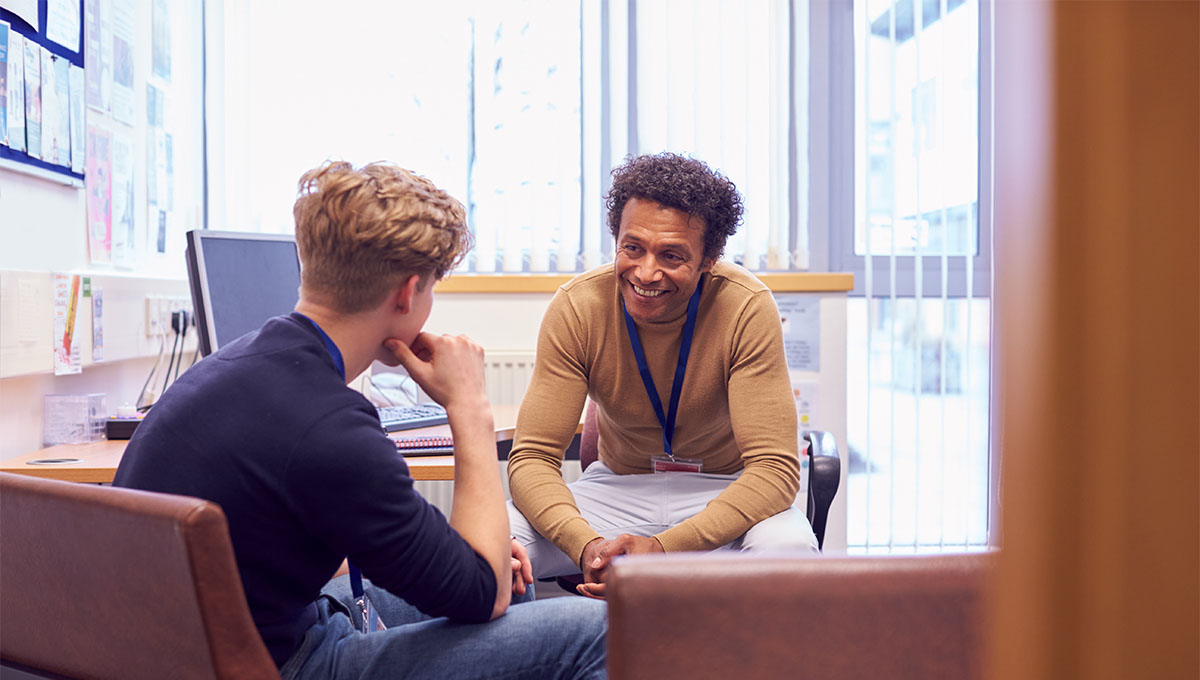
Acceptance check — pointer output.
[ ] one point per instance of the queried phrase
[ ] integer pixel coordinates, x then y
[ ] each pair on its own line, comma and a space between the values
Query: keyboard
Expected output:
395, 418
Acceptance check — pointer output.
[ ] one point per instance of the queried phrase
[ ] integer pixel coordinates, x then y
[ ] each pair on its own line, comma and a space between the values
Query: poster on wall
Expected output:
123, 241
49, 121
158, 230
62, 91
16, 91
78, 151
26, 9
33, 98
122, 56
98, 182
97, 324
4, 83
800, 314
806, 394
91, 51
155, 107
62, 23
67, 293
161, 40
97, 53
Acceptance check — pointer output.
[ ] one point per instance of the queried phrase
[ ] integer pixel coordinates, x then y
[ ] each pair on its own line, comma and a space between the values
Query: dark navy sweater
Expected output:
267, 429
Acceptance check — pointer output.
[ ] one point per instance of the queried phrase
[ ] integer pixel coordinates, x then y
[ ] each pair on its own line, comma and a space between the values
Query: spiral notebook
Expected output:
425, 446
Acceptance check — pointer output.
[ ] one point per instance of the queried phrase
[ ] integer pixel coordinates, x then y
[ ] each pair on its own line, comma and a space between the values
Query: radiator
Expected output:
507, 374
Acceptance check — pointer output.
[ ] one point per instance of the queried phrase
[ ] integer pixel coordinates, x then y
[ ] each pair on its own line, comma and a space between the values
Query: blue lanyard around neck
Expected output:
667, 420
356, 586
334, 352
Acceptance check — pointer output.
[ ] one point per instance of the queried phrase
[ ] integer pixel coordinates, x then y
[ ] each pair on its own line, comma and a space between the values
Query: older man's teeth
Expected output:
647, 293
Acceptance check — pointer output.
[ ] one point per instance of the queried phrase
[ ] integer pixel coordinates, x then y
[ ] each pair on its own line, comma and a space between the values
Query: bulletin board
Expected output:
138, 130
40, 38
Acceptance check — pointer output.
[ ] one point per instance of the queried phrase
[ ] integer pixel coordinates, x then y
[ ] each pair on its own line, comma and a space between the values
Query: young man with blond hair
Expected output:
268, 429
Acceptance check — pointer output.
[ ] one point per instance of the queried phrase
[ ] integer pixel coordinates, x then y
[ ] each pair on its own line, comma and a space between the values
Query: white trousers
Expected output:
644, 505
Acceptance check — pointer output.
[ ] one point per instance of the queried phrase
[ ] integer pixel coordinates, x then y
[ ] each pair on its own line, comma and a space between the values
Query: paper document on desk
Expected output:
425, 446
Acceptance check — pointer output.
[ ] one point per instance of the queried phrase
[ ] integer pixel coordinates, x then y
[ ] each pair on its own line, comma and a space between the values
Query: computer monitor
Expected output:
238, 281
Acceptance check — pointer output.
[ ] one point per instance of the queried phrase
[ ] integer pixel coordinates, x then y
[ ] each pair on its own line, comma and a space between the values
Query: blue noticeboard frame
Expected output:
19, 25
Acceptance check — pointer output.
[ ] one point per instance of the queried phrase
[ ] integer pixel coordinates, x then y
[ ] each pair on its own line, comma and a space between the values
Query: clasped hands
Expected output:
599, 554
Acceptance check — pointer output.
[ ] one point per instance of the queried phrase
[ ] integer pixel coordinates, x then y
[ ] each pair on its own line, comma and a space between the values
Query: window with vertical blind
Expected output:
520, 108
919, 326
714, 80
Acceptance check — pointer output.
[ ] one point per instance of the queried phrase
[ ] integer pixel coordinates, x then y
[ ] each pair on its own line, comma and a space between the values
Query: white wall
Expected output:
43, 231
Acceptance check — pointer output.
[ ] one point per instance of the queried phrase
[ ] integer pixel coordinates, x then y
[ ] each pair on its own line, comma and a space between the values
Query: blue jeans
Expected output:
557, 638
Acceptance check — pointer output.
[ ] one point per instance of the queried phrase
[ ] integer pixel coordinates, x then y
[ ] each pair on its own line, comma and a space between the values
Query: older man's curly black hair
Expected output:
682, 183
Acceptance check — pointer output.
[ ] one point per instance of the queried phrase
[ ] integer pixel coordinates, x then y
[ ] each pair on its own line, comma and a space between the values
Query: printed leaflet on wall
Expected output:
33, 99
78, 134
16, 91
4, 83
98, 181
66, 313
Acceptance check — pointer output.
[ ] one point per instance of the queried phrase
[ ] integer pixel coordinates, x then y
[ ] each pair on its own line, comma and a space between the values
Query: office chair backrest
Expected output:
589, 437
101, 582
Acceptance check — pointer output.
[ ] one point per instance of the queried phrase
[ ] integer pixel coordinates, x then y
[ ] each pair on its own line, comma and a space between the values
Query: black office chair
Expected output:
824, 476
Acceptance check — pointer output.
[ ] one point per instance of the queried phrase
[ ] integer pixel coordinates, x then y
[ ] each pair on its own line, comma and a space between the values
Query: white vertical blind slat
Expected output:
862, 117
799, 257
780, 72
709, 85
591, 80
943, 508
892, 285
652, 50
919, 231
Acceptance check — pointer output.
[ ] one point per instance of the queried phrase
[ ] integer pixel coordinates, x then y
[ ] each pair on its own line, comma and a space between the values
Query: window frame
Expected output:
835, 68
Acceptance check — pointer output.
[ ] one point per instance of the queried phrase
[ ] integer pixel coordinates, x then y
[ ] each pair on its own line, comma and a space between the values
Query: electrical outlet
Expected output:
159, 308
152, 306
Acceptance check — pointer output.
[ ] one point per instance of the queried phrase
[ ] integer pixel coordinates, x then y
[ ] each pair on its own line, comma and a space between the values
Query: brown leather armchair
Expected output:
108, 583
755, 616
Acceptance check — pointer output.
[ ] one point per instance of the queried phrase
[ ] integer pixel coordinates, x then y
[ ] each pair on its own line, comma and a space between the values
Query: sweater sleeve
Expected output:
355, 493
546, 423
763, 417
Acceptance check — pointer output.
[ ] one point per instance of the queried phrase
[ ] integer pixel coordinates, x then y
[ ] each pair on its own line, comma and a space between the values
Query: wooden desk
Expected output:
98, 461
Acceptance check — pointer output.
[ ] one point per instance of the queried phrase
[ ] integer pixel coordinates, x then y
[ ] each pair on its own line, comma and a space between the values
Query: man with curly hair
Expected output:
683, 356
267, 428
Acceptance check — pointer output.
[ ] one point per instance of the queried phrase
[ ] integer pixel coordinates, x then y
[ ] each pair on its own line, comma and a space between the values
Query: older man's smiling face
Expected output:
660, 257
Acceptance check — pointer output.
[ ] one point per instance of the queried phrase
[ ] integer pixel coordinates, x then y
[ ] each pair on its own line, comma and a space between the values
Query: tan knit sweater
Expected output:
736, 409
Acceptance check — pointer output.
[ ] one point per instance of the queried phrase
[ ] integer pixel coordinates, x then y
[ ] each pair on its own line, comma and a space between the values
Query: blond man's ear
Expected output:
403, 295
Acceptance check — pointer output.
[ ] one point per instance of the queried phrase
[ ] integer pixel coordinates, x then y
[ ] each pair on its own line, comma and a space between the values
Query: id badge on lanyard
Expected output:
366, 618
668, 462
673, 464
